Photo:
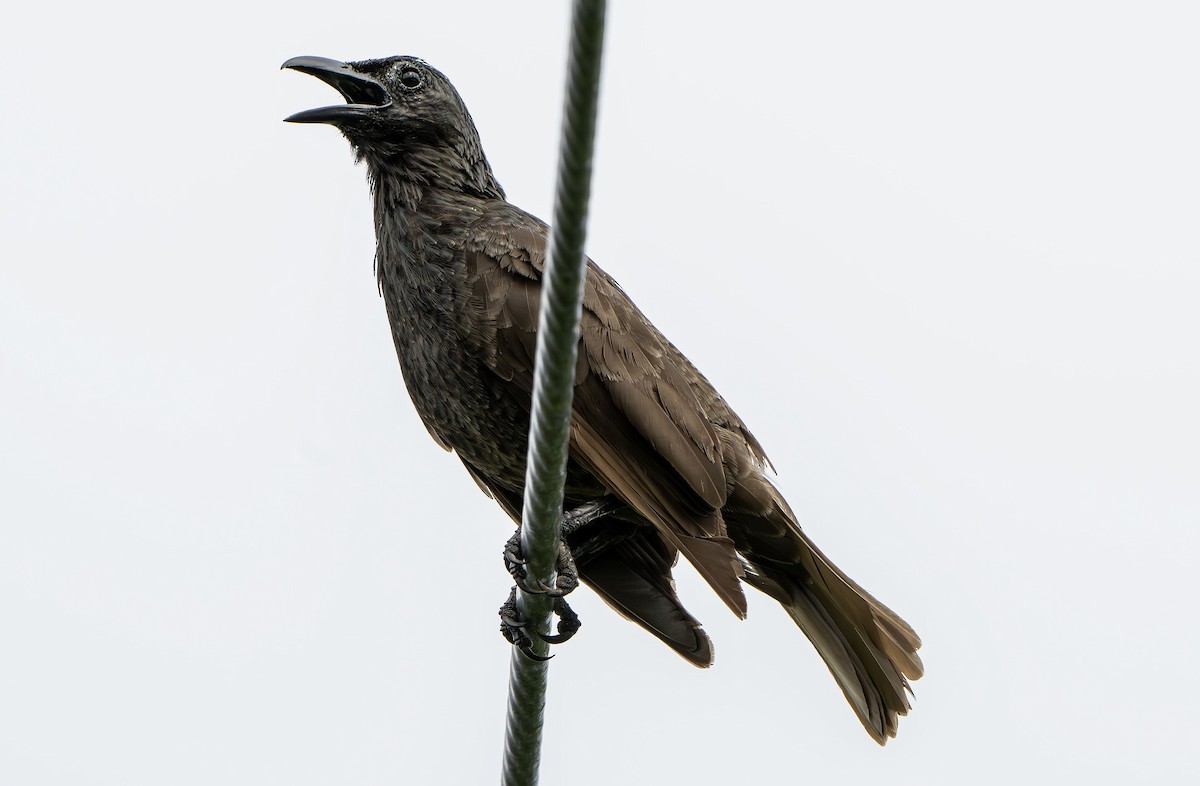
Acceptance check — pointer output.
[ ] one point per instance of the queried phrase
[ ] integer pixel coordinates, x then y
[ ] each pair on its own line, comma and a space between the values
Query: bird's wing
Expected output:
633, 576
638, 422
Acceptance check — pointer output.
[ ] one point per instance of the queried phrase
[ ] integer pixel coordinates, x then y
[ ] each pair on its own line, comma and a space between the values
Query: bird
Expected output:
659, 464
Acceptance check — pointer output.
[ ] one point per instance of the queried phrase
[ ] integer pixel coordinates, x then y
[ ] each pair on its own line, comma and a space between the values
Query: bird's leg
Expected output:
512, 625
588, 512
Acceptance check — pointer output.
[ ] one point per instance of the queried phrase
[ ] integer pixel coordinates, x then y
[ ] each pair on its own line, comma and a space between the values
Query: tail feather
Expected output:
869, 649
884, 627
870, 680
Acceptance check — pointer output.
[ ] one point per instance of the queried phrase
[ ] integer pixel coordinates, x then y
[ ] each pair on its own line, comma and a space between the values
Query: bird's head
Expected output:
400, 112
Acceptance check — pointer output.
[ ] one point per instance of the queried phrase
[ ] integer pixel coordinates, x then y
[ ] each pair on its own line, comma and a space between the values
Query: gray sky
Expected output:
941, 257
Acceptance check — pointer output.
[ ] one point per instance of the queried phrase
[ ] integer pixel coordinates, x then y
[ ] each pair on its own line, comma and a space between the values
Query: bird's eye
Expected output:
410, 79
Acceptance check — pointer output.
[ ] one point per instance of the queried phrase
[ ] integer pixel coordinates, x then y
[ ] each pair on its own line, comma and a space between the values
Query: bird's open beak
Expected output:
362, 93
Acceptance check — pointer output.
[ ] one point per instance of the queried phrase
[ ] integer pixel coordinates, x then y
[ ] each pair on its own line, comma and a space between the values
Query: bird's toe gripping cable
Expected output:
517, 631
567, 577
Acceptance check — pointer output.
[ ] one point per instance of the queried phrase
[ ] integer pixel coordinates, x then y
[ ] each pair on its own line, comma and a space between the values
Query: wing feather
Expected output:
635, 425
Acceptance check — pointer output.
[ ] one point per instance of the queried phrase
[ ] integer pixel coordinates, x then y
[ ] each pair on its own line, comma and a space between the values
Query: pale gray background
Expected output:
942, 258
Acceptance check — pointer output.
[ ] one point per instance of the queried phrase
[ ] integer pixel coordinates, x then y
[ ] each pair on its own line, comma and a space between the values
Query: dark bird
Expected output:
459, 269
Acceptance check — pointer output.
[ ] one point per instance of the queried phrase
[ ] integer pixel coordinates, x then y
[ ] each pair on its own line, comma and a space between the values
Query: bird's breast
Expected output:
458, 397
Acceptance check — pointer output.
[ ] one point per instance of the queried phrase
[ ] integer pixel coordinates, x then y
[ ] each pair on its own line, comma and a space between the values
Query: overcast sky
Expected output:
941, 257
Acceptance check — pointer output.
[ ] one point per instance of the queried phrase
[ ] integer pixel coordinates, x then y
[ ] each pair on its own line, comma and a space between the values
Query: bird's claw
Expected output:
568, 624
513, 559
536, 587
515, 629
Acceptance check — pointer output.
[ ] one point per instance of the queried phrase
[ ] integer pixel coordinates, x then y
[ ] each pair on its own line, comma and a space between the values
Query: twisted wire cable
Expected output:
558, 339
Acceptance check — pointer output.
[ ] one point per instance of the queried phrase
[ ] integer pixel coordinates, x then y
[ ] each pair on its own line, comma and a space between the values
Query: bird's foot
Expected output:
519, 633
515, 628
566, 576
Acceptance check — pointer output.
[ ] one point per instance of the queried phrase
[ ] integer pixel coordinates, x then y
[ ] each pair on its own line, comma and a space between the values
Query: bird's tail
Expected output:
870, 650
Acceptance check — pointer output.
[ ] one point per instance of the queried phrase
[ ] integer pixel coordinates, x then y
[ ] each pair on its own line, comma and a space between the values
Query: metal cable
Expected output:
558, 338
